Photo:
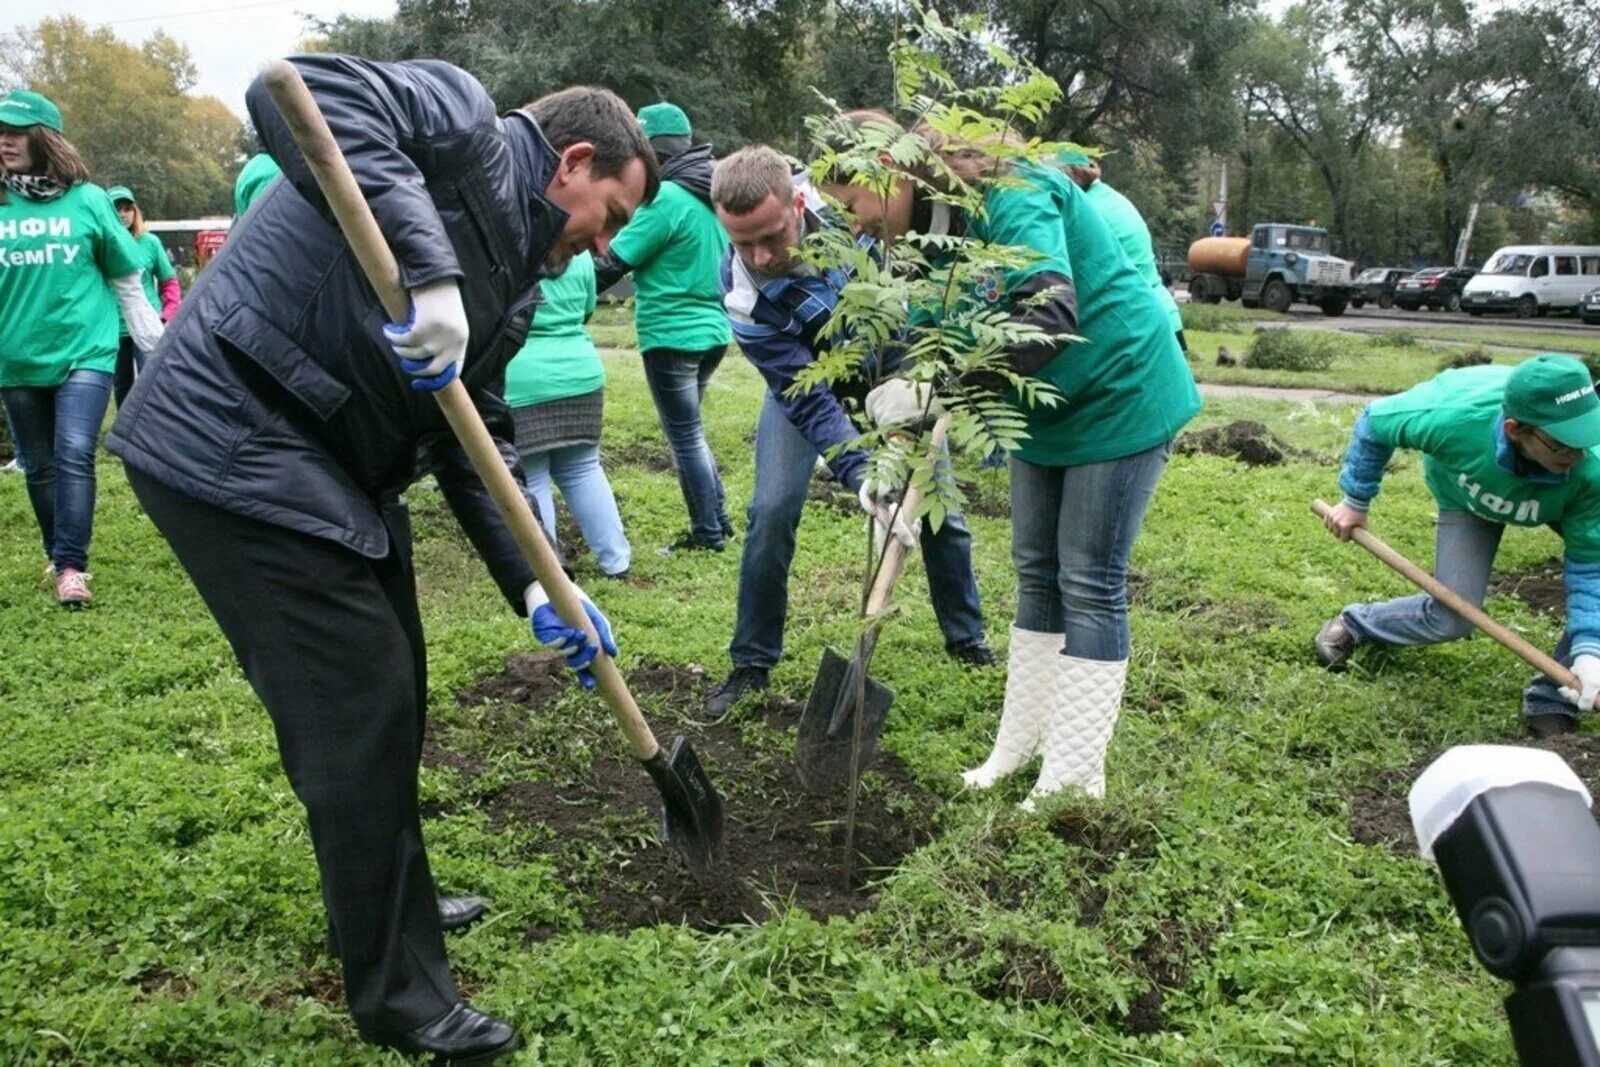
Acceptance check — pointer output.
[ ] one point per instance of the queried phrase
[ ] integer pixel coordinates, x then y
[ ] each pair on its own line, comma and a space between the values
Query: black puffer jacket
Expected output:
273, 393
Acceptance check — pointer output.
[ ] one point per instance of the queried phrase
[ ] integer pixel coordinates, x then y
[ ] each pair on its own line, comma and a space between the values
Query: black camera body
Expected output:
1522, 865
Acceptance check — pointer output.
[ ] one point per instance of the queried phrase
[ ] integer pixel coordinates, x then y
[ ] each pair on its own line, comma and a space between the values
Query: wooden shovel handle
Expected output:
894, 553
372, 251
1453, 600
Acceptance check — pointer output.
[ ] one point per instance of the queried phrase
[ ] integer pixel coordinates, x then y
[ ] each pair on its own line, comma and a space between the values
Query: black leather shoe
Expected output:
461, 1037
1334, 644
743, 680
456, 912
973, 654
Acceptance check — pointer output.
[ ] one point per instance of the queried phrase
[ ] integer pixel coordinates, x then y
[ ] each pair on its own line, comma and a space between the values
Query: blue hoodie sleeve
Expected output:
816, 413
1364, 463
1583, 606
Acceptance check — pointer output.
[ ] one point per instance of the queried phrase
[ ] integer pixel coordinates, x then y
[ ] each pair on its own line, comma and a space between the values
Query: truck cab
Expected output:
1289, 264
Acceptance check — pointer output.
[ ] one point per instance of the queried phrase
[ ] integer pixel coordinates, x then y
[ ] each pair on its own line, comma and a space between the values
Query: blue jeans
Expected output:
57, 430
1072, 529
677, 383
1464, 547
785, 462
577, 473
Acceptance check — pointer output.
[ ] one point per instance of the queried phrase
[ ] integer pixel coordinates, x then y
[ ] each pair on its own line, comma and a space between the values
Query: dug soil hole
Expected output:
1380, 814
1542, 587
1247, 441
782, 848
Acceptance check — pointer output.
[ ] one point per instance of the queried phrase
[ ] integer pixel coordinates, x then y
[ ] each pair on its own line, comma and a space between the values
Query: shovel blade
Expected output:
827, 732
691, 810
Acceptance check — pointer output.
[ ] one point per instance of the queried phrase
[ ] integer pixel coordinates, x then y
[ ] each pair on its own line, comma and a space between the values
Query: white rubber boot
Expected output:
1032, 664
1089, 695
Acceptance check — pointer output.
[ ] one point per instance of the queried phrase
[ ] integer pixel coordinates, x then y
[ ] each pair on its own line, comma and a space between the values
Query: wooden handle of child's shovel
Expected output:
1453, 600
360, 229
895, 553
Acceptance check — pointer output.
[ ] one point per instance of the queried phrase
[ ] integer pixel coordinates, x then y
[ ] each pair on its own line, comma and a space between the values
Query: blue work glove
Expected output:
553, 633
432, 344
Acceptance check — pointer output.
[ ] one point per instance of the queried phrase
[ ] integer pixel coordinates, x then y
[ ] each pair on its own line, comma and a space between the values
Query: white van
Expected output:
1533, 279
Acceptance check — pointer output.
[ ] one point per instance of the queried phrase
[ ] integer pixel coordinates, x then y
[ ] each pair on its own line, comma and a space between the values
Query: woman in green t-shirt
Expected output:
1084, 476
66, 266
160, 284
555, 387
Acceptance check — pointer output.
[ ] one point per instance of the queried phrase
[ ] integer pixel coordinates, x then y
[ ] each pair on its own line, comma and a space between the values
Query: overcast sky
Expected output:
229, 39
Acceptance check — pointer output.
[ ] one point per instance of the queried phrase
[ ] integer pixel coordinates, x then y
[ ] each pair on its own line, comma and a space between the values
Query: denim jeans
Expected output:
1072, 529
785, 462
577, 473
130, 364
1464, 547
678, 383
57, 430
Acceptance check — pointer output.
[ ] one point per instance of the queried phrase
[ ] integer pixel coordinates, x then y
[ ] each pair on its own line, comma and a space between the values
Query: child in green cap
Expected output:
1500, 446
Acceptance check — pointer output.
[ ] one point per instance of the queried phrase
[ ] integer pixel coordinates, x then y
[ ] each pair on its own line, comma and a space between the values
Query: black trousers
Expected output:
129, 358
332, 644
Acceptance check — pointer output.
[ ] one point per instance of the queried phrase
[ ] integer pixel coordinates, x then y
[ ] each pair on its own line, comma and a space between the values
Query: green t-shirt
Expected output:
57, 312
157, 268
256, 175
1125, 387
1128, 227
674, 245
558, 360
1452, 419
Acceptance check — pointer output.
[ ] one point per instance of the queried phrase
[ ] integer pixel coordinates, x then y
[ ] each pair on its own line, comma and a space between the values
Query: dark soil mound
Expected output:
783, 847
1379, 814
651, 455
1541, 586
1248, 441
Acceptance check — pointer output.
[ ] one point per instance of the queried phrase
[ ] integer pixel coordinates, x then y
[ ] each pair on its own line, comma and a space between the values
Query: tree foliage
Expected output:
131, 113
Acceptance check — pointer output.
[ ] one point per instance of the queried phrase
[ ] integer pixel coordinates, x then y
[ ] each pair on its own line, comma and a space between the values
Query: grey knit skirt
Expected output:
573, 420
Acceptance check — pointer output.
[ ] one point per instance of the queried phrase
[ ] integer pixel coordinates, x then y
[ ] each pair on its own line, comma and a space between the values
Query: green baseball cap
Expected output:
664, 120
121, 192
22, 108
1073, 157
1556, 394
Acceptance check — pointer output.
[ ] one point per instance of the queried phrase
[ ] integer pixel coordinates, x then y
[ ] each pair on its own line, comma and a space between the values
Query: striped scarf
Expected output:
33, 186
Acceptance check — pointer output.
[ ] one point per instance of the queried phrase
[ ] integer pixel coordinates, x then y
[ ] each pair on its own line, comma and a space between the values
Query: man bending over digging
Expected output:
271, 439
1500, 446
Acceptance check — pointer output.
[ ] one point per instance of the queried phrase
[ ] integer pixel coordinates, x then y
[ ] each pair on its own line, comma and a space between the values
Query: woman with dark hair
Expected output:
69, 266
1084, 475
157, 269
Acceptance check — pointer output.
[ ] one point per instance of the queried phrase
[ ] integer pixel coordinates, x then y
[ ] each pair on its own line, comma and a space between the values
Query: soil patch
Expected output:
160, 982
1379, 814
824, 490
783, 848
572, 544
1542, 587
652, 456
1247, 441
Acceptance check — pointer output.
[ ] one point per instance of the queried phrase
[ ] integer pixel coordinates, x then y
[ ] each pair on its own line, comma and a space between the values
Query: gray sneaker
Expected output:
1335, 644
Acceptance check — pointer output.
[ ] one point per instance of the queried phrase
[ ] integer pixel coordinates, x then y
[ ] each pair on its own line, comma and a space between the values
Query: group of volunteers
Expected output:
281, 418
84, 290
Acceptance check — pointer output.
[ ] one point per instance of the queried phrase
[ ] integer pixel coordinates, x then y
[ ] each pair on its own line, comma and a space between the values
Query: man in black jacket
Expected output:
271, 437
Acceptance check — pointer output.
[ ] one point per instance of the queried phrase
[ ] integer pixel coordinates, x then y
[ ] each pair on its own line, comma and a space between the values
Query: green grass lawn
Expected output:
159, 903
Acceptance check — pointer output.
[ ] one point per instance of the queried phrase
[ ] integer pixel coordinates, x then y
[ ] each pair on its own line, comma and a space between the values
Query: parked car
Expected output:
1589, 307
1375, 285
1533, 279
1435, 287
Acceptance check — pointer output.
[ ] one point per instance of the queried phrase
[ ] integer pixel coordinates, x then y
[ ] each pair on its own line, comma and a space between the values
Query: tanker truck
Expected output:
1275, 266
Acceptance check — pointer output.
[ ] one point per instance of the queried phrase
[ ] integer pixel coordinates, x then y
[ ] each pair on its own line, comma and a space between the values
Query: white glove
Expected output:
885, 518
1587, 668
899, 401
432, 344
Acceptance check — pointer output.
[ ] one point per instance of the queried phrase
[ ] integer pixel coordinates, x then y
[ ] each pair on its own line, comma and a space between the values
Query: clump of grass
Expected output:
1292, 350
1475, 356
1215, 318
1394, 339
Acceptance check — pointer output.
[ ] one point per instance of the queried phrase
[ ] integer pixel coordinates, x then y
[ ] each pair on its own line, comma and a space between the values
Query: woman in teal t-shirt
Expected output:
555, 387
68, 266
1083, 478
160, 284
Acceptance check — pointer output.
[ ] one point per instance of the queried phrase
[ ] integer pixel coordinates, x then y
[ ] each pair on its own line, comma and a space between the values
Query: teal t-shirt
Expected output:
57, 312
1452, 419
674, 245
1125, 387
157, 268
256, 175
1128, 227
558, 360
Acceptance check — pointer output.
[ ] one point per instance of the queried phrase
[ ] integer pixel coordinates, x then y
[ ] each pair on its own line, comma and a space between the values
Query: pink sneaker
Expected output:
72, 589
